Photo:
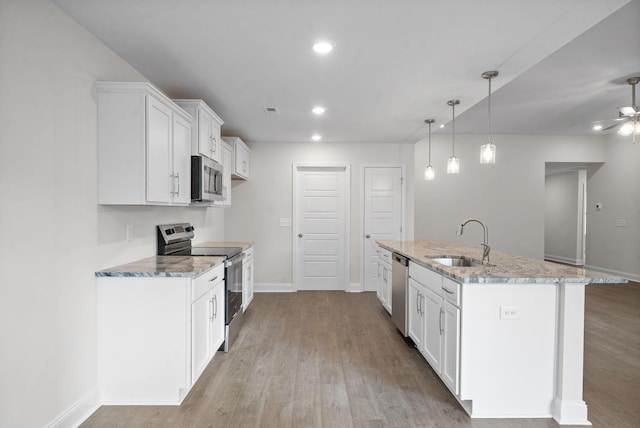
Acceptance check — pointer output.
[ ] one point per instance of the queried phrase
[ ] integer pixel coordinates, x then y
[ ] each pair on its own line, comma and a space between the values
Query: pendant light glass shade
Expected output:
488, 149
488, 153
429, 172
453, 164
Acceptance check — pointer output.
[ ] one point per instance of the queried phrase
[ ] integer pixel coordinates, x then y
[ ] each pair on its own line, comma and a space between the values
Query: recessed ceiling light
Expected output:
442, 126
597, 127
316, 137
318, 110
323, 47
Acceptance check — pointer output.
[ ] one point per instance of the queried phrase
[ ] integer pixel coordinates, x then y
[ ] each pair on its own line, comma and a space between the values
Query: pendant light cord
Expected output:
429, 143
453, 130
489, 117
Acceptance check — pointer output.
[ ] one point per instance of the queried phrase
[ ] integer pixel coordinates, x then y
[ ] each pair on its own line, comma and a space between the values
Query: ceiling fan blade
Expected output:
614, 125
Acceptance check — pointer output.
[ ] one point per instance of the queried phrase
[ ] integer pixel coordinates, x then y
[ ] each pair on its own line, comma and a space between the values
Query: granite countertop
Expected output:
244, 245
164, 266
507, 268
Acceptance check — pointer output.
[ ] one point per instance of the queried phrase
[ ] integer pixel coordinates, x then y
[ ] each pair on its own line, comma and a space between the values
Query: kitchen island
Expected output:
506, 337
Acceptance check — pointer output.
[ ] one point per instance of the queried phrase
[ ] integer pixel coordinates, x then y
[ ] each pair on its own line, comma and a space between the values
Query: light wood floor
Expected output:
333, 359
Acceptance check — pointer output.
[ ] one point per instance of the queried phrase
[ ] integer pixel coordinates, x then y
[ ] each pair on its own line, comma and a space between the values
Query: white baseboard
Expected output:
567, 260
354, 287
631, 276
79, 411
282, 287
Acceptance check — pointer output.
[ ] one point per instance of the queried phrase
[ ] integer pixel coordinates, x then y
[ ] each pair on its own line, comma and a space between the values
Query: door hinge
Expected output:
401, 180
400, 229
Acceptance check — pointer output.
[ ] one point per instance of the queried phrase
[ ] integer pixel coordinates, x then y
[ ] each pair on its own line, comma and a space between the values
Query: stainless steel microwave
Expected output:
206, 179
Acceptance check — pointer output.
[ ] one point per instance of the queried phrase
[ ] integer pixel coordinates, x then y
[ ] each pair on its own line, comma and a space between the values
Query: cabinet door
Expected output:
385, 286
451, 347
226, 176
159, 174
432, 328
201, 309
242, 161
379, 287
217, 317
247, 283
181, 160
415, 313
208, 135
388, 289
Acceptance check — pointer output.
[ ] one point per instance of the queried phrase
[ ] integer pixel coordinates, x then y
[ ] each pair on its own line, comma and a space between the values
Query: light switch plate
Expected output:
285, 222
621, 222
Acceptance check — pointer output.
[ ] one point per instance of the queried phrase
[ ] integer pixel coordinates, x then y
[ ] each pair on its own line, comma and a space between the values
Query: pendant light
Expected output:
429, 173
488, 149
453, 164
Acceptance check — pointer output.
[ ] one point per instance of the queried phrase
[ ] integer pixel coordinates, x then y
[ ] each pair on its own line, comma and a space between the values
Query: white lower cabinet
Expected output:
415, 313
247, 278
450, 356
207, 321
157, 335
432, 342
438, 335
384, 278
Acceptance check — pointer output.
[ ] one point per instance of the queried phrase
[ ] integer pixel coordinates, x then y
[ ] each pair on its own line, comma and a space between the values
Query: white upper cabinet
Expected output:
143, 146
226, 176
241, 158
206, 129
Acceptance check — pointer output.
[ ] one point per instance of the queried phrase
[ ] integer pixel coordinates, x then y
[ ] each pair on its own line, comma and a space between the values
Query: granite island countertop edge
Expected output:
508, 268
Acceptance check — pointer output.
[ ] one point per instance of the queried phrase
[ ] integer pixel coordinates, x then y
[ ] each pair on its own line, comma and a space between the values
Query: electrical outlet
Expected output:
510, 312
129, 233
285, 222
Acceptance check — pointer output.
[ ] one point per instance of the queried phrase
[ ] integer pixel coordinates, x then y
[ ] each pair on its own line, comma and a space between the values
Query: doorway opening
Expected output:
565, 211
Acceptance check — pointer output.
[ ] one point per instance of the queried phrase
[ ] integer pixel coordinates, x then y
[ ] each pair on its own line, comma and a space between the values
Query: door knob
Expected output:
299, 235
367, 236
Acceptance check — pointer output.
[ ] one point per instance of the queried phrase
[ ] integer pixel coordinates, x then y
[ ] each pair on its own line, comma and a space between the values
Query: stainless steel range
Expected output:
175, 240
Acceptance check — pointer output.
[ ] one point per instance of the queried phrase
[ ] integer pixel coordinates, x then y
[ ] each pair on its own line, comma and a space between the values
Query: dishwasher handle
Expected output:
400, 259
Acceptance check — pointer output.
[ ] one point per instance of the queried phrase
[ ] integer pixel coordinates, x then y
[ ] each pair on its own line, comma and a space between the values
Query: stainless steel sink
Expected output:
458, 261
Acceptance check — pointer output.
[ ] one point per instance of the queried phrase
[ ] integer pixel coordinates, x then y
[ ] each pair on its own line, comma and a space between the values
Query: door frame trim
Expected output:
345, 167
403, 203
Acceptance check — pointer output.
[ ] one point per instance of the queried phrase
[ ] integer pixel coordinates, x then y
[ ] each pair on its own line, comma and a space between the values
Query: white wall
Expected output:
508, 196
616, 185
258, 204
562, 201
54, 235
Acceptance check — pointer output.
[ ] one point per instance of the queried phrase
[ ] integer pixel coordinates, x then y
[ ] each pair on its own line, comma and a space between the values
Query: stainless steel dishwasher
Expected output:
399, 273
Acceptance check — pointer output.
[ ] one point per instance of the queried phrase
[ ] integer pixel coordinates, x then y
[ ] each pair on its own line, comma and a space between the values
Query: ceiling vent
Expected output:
271, 111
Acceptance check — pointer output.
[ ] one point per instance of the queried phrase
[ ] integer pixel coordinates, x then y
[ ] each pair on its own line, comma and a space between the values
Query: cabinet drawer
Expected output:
206, 281
451, 291
426, 277
385, 255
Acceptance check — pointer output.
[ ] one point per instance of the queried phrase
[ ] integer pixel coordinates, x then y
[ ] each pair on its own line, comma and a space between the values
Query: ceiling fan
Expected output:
628, 119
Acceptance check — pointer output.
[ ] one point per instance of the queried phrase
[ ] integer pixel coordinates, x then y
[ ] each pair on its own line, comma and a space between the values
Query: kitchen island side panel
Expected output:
508, 348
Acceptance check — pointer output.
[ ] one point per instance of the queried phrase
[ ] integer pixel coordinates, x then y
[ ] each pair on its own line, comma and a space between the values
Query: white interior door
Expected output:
382, 216
321, 207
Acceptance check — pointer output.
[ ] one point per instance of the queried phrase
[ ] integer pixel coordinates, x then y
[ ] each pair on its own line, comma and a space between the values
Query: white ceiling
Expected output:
395, 63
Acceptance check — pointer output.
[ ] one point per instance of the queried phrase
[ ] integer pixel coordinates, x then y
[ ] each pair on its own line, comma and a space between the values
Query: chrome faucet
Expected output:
487, 249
